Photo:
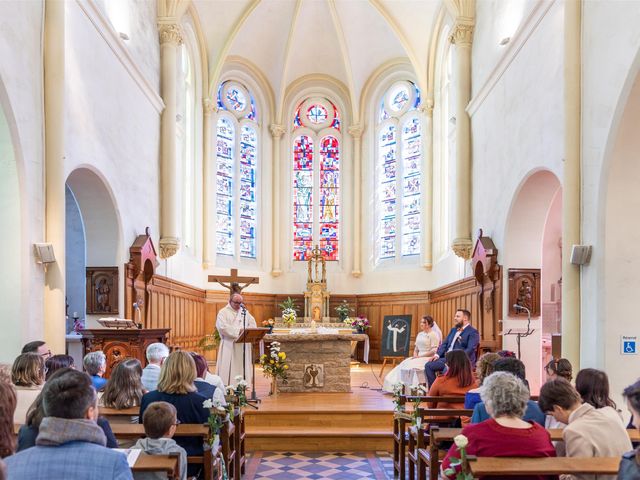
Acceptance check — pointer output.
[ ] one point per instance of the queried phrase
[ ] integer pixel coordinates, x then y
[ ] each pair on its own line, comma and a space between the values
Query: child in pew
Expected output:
160, 420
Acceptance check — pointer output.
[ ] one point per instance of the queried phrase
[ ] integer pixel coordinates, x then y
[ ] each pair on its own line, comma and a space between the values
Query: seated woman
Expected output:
205, 388
56, 362
505, 434
411, 370
456, 382
630, 463
27, 374
484, 368
176, 386
7, 406
593, 387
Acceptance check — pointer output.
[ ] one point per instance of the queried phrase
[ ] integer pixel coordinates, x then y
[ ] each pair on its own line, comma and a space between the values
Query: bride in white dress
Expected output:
411, 370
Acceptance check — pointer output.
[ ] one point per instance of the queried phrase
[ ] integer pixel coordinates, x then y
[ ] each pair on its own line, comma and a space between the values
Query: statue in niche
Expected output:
525, 295
316, 297
102, 295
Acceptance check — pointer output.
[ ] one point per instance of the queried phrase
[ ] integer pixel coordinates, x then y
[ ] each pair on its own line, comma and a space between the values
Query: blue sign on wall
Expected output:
629, 345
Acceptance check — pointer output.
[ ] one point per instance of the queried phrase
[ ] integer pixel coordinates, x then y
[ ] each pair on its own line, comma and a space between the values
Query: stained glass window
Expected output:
236, 167
398, 173
316, 176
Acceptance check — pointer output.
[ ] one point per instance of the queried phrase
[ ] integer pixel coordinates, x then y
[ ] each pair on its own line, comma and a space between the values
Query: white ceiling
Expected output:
345, 39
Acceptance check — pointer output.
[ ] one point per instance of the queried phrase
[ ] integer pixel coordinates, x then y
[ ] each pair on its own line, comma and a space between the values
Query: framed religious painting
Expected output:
524, 291
396, 336
102, 290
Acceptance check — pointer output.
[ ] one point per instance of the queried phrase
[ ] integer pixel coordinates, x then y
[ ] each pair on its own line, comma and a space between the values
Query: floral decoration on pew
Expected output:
274, 365
458, 465
398, 390
218, 415
417, 391
237, 394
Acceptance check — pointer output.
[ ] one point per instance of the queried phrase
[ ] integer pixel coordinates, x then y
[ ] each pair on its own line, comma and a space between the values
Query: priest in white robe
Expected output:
230, 325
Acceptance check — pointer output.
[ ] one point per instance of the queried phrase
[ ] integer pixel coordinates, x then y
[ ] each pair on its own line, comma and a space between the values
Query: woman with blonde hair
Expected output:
484, 368
27, 374
176, 386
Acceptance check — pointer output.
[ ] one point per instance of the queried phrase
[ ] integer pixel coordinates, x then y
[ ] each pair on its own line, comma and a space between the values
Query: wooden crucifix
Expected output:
233, 281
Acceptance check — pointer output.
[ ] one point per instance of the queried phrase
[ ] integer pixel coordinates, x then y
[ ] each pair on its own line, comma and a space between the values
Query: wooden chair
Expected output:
240, 453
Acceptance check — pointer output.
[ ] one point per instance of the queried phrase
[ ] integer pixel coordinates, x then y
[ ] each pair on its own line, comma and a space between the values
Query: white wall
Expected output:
21, 104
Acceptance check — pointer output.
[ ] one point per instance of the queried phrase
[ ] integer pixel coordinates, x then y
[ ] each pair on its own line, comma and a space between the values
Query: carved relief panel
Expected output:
524, 290
102, 290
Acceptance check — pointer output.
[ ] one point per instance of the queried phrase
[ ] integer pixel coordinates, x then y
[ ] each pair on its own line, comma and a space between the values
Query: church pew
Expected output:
447, 434
114, 412
239, 444
169, 464
432, 418
401, 422
512, 466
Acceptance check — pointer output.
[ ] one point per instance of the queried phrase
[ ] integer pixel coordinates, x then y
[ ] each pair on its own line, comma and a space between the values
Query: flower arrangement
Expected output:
289, 314
269, 323
360, 322
217, 416
457, 465
237, 394
343, 311
398, 390
274, 364
417, 391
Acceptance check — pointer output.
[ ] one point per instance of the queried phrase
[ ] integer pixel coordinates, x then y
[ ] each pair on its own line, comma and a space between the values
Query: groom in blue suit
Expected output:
461, 337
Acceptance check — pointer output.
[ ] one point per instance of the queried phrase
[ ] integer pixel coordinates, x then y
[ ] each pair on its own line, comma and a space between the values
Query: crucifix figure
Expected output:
233, 281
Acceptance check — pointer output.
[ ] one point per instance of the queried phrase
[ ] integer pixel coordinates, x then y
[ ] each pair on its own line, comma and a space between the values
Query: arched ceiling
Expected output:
345, 39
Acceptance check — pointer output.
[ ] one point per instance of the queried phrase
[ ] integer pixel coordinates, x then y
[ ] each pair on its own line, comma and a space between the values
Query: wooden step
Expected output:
305, 438
373, 420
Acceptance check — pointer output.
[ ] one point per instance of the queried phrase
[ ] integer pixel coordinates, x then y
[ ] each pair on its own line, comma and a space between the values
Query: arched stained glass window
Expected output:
316, 179
398, 173
236, 169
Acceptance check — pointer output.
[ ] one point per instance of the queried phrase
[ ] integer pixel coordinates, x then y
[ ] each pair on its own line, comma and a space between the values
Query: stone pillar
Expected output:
208, 256
571, 207
462, 37
356, 132
277, 131
54, 128
427, 178
170, 40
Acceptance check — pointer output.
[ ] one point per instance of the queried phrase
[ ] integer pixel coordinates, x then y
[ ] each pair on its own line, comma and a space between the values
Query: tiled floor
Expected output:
319, 465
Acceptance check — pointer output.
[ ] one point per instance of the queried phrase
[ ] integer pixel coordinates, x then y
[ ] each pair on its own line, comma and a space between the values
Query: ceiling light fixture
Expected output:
504, 41
124, 36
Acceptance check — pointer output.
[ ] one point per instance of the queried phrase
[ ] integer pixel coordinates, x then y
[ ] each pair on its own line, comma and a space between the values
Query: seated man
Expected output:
156, 355
70, 444
590, 432
461, 337
95, 364
39, 347
515, 367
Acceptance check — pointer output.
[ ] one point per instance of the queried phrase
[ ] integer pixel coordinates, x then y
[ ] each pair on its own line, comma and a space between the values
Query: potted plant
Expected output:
360, 323
269, 323
343, 311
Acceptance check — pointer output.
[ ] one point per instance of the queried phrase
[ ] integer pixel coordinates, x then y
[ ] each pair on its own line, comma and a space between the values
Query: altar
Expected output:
318, 362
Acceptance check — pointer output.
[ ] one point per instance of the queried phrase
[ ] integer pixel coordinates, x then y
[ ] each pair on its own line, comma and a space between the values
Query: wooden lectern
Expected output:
118, 344
251, 336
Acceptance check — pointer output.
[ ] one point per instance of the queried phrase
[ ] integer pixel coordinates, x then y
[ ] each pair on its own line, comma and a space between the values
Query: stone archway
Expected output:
532, 231
13, 254
94, 239
618, 262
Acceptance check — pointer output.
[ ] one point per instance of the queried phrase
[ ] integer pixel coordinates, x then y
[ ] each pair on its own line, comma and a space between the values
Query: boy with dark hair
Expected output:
516, 368
590, 432
70, 444
160, 420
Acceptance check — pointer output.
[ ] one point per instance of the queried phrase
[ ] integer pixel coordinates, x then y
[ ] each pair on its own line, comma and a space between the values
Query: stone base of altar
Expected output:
317, 362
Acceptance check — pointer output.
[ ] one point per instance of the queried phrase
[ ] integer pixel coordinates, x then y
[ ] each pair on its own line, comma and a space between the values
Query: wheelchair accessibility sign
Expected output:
629, 345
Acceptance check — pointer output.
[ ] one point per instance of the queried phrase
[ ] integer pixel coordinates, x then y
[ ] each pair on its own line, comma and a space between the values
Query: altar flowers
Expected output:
274, 365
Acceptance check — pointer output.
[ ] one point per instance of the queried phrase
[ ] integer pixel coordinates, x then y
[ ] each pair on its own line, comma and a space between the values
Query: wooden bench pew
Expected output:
512, 466
402, 420
169, 464
420, 437
208, 459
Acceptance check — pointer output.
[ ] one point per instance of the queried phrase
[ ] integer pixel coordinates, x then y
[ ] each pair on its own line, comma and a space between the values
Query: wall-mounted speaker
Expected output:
580, 254
44, 253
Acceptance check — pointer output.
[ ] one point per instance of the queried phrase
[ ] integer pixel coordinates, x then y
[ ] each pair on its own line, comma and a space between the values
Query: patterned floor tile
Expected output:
320, 466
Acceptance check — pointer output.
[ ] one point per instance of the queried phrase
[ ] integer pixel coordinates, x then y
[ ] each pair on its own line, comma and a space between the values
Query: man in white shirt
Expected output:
156, 354
230, 323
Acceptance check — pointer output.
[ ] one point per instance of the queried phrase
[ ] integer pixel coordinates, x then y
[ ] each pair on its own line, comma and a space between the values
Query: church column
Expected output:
356, 132
462, 37
427, 178
170, 39
571, 183
54, 127
277, 131
208, 257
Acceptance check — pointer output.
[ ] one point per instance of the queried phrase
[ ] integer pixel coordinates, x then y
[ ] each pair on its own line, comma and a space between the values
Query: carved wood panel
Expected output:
524, 290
